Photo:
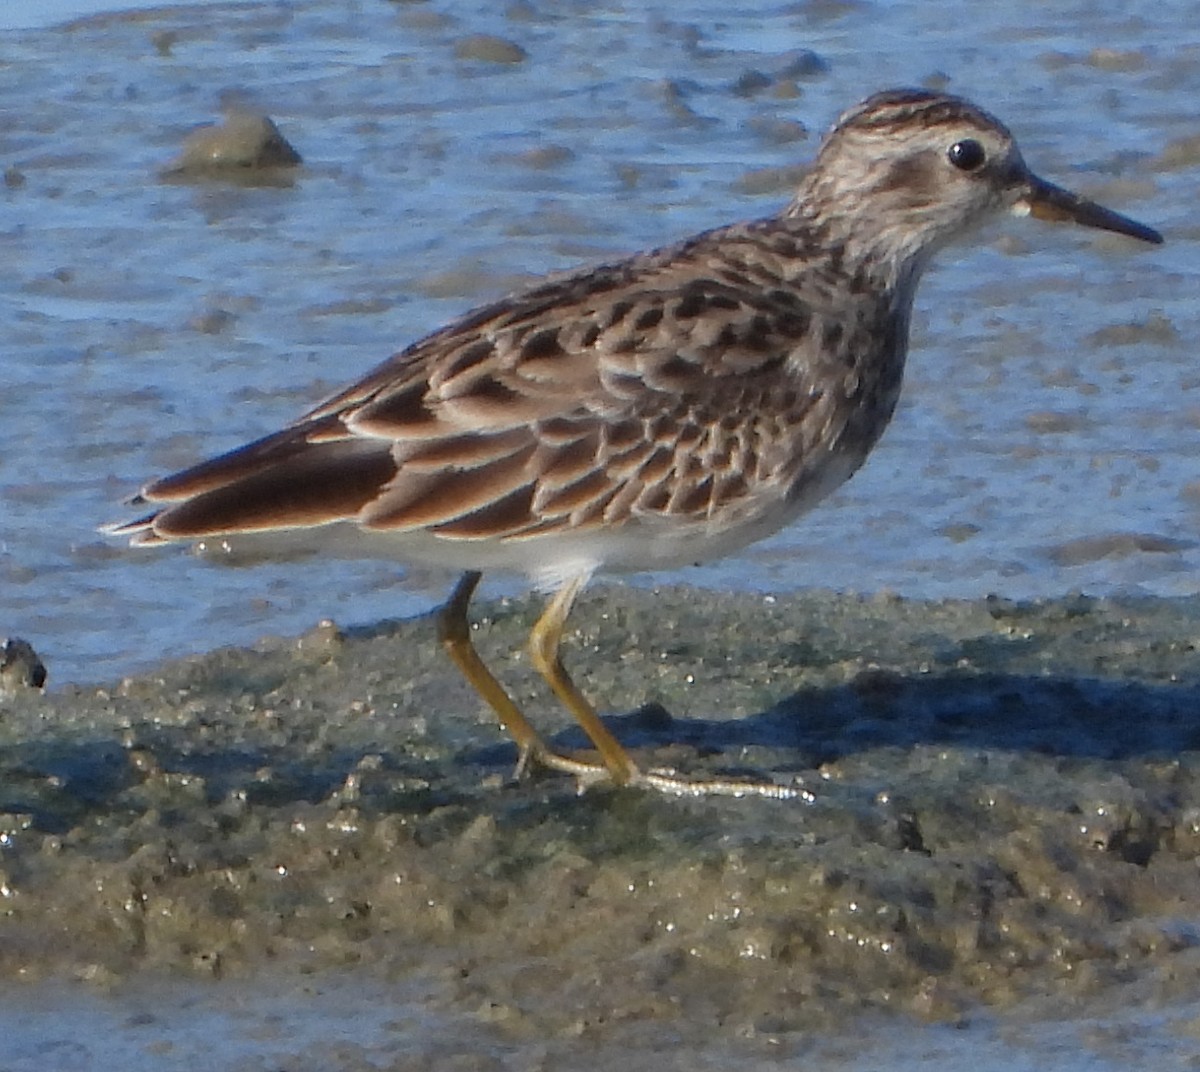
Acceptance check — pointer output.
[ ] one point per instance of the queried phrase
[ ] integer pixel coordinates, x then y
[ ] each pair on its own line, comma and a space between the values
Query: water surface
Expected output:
1046, 440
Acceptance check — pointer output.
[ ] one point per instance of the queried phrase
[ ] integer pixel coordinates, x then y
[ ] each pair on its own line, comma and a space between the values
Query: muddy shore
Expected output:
998, 800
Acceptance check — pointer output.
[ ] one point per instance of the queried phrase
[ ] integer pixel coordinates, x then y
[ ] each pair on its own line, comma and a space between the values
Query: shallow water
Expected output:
348, 1024
1047, 437
40, 14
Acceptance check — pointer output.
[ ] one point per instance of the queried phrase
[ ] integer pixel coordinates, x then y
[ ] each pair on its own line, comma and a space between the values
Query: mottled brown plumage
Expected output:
664, 409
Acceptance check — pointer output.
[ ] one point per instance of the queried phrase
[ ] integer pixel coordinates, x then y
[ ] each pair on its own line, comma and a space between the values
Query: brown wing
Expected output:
590, 399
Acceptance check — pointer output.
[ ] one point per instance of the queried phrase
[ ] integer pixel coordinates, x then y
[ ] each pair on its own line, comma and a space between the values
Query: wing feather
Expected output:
313, 486
670, 383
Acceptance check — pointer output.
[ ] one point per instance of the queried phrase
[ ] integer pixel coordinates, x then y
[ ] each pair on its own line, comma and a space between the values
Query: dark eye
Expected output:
967, 155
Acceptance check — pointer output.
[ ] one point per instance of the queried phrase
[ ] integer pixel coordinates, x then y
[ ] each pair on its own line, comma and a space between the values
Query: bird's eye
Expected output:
967, 155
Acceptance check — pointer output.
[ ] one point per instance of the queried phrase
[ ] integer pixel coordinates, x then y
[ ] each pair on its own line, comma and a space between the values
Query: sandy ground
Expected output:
999, 802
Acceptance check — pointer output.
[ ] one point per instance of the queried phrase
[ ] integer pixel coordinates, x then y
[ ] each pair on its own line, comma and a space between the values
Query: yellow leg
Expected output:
544, 643
455, 635
454, 632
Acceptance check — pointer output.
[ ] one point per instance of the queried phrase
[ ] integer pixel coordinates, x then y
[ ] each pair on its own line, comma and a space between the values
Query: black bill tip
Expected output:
1045, 201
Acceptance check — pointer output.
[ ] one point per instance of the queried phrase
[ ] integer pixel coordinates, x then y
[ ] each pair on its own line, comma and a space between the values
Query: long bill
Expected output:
1046, 201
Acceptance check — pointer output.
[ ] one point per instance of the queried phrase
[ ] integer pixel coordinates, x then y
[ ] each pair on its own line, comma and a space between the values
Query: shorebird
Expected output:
657, 411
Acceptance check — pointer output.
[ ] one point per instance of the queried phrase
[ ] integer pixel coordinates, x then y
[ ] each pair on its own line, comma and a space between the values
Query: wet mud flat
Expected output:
1000, 801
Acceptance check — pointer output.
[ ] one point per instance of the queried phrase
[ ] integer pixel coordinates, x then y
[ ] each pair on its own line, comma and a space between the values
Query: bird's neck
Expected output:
877, 258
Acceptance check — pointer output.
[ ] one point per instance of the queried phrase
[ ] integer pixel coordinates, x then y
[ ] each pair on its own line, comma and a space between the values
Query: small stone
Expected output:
544, 157
324, 638
959, 532
1180, 153
778, 131
804, 63
20, 667
489, 49
246, 141
1112, 59
213, 322
751, 83
1156, 328
164, 41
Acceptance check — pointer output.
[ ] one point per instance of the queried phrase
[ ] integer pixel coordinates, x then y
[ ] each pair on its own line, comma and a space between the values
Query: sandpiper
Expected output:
646, 414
